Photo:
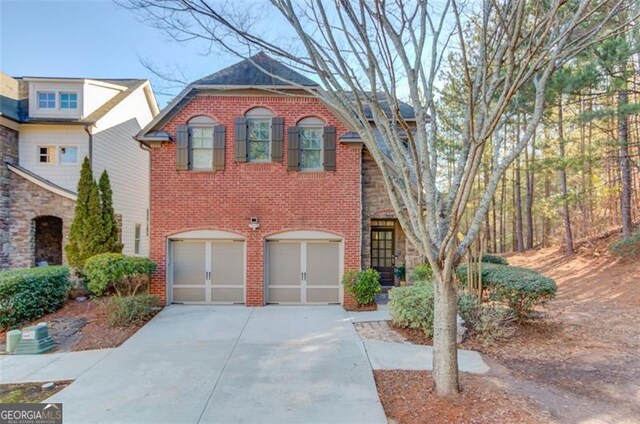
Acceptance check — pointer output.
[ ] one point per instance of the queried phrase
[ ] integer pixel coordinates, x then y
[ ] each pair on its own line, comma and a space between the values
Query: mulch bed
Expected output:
361, 308
408, 398
81, 326
412, 335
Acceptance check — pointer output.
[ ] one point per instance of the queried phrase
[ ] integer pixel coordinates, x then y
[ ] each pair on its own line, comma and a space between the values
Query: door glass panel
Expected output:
189, 263
323, 263
227, 264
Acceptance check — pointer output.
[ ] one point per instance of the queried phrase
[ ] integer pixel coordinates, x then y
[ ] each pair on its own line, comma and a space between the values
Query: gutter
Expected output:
88, 131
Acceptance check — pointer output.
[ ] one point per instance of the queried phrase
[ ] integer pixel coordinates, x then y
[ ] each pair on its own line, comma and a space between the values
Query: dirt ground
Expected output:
578, 363
81, 326
29, 392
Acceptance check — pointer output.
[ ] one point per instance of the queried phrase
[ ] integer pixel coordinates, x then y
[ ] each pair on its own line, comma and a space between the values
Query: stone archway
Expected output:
47, 240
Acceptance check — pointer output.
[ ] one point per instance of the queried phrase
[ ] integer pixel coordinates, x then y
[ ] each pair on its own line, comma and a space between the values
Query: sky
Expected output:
95, 39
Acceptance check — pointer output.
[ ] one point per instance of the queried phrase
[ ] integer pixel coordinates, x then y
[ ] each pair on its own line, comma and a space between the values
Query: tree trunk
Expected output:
445, 349
625, 166
568, 236
530, 172
517, 183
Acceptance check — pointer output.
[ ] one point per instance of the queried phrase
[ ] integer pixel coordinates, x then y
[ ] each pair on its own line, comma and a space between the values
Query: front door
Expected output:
382, 254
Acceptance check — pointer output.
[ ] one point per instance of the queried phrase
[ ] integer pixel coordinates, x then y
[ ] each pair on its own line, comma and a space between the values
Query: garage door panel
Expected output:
284, 264
227, 294
323, 295
227, 264
189, 294
323, 264
189, 264
285, 295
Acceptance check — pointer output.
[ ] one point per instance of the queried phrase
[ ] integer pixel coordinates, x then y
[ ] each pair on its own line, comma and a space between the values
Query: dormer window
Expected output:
46, 100
68, 100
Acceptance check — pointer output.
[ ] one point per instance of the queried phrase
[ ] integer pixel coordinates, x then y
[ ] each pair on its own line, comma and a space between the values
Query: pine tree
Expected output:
75, 248
109, 223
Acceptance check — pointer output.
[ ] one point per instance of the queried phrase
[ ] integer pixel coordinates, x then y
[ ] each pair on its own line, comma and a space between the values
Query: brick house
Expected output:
47, 127
260, 194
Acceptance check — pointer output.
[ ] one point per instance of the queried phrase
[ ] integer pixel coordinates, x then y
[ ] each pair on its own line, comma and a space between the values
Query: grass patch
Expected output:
29, 392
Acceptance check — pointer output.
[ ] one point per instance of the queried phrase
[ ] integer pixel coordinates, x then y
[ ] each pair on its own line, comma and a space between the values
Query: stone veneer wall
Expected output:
29, 201
8, 153
376, 204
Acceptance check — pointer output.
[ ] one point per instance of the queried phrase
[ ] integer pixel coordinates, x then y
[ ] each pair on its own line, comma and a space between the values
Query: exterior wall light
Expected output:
254, 224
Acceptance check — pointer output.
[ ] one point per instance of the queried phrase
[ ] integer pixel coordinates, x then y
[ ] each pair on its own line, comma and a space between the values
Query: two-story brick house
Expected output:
47, 127
260, 194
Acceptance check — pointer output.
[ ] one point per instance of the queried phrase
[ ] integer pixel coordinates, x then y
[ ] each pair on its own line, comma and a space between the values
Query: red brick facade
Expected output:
225, 200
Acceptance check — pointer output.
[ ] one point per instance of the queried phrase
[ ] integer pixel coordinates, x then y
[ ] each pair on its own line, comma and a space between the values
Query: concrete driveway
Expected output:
228, 364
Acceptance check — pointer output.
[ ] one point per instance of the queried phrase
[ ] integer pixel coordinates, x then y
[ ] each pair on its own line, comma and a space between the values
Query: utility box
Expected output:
35, 339
13, 339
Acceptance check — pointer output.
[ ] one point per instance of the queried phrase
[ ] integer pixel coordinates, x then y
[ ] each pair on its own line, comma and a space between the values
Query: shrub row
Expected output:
519, 288
362, 285
27, 294
123, 311
116, 271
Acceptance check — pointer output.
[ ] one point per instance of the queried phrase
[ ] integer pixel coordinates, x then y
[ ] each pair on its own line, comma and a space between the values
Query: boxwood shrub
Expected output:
116, 271
519, 288
493, 259
363, 285
412, 306
29, 293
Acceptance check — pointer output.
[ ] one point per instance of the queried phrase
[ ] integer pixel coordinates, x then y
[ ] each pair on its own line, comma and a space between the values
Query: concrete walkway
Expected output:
48, 367
194, 364
381, 314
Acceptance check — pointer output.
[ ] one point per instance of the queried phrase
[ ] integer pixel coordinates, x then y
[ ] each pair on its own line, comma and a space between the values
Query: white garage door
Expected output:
208, 271
303, 272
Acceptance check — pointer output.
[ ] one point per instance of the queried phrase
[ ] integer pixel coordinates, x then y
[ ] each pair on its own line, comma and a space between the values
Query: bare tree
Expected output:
365, 52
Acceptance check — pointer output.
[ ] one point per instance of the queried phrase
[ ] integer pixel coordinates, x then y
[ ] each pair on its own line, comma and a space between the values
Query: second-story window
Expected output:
259, 135
68, 100
46, 154
201, 134
311, 132
68, 154
46, 100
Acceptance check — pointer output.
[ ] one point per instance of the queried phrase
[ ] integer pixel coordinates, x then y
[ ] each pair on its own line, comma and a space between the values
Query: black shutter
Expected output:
277, 139
241, 139
329, 137
293, 148
182, 148
218, 147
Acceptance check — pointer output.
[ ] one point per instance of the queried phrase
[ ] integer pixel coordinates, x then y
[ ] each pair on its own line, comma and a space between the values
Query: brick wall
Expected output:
225, 200
8, 153
376, 204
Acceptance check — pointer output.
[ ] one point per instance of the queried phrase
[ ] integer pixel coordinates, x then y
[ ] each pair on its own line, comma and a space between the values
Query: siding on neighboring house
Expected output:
128, 166
225, 200
33, 136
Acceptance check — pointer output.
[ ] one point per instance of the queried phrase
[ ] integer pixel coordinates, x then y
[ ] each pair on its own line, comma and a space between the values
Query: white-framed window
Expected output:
68, 100
136, 239
68, 154
46, 154
311, 143
259, 134
201, 146
46, 99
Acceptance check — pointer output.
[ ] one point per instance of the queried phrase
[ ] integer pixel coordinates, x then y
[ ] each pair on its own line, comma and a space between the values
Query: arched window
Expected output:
259, 134
201, 145
311, 143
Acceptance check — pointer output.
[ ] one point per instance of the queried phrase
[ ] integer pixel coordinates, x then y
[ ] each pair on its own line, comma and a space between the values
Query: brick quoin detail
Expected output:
281, 199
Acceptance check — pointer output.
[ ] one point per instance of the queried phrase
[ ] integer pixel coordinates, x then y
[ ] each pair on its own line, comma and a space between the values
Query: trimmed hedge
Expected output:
116, 271
520, 288
363, 285
493, 259
29, 293
412, 306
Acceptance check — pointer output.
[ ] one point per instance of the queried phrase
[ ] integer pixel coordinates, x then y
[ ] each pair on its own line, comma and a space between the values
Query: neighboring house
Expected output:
260, 194
47, 127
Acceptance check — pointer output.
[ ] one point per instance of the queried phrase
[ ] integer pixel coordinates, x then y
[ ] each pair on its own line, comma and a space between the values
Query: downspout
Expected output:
88, 131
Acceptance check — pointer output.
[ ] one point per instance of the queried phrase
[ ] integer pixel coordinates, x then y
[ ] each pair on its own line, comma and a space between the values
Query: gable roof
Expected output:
14, 102
249, 72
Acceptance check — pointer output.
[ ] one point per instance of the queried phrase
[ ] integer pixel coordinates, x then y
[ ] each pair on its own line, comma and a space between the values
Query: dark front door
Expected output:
382, 254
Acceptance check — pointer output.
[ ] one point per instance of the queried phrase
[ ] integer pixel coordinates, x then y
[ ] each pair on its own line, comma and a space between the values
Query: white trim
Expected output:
207, 234
46, 186
305, 235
